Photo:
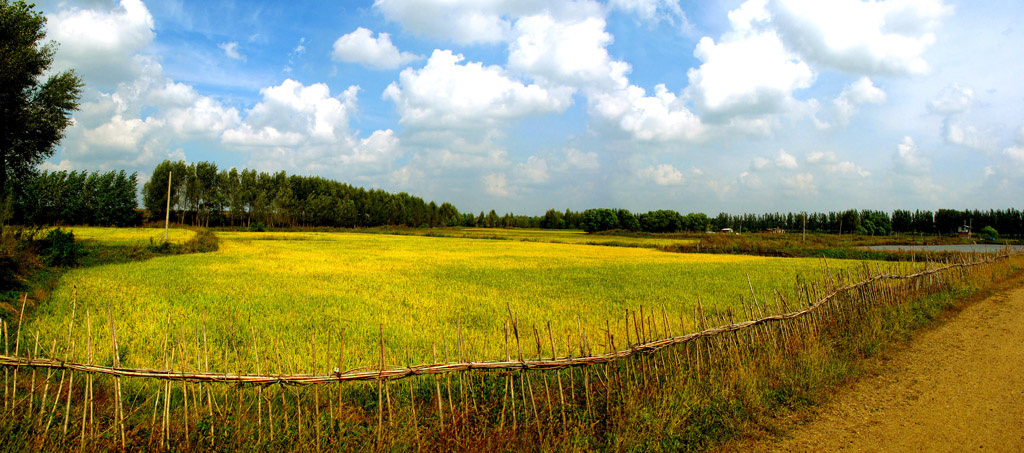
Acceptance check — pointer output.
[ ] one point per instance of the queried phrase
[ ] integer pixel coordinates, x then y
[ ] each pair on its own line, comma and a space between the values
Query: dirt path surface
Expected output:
957, 387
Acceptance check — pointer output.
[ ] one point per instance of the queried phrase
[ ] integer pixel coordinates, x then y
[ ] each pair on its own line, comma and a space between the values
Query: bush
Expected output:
989, 232
257, 227
59, 248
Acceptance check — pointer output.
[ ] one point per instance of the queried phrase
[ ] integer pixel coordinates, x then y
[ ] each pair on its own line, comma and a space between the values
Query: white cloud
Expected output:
447, 94
102, 45
785, 160
750, 180
759, 163
1015, 153
361, 47
749, 71
576, 159
862, 91
878, 37
231, 50
495, 184
801, 184
465, 22
662, 117
533, 171
653, 10
663, 175
952, 99
570, 53
909, 159
832, 165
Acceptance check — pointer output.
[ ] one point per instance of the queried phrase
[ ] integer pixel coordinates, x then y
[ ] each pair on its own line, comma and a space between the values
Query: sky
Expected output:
525, 105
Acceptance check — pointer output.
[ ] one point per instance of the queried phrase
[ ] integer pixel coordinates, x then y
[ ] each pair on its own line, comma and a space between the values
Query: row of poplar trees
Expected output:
77, 198
203, 195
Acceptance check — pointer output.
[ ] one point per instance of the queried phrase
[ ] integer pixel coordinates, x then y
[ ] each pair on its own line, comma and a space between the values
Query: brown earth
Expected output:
958, 386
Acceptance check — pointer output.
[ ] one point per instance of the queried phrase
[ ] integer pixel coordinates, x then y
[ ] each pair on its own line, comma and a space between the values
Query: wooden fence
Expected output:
837, 295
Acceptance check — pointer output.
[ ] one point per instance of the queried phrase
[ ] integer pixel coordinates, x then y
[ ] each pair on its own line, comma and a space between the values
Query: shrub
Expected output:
59, 248
989, 232
257, 227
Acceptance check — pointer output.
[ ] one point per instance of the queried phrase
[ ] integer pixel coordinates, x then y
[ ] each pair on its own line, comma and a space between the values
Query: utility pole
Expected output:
167, 219
805, 227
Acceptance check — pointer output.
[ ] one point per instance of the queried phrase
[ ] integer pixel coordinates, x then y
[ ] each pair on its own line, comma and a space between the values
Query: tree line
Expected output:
1008, 222
203, 195
77, 198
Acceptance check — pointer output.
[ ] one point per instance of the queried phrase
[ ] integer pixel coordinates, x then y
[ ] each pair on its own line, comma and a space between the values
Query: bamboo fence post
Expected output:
67, 351
17, 349
117, 379
340, 370
46, 387
259, 390
32, 388
316, 391
465, 358
586, 370
437, 385
3, 326
280, 373
165, 432
558, 373
184, 384
448, 381
209, 396
380, 392
412, 402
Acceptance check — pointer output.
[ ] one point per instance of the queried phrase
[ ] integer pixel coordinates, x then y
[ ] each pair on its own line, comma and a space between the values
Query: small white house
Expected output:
726, 230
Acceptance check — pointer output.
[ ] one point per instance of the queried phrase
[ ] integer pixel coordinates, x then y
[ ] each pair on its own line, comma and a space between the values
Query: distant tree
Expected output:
33, 112
989, 232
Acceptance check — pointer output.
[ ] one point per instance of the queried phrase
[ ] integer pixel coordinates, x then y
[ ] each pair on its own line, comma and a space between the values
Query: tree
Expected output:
33, 113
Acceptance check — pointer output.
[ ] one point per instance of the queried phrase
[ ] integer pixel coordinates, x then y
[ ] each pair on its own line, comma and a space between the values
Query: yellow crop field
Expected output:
563, 236
131, 236
285, 288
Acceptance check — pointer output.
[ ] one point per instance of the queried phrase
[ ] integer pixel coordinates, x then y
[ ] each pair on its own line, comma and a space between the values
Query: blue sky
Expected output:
756, 106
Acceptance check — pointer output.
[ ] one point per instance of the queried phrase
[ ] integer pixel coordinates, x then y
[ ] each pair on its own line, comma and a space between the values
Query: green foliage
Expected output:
257, 227
989, 232
33, 112
79, 198
60, 249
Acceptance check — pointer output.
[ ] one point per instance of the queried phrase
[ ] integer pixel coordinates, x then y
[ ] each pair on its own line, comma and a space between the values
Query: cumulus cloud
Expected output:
566, 52
832, 165
663, 175
662, 117
801, 184
292, 113
576, 159
952, 99
447, 94
785, 160
878, 37
909, 158
102, 45
653, 11
862, 91
379, 53
749, 71
461, 21
496, 184
231, 50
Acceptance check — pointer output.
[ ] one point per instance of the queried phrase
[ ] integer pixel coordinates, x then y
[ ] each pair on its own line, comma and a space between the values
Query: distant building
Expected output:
963, 231
726, 230
775, 231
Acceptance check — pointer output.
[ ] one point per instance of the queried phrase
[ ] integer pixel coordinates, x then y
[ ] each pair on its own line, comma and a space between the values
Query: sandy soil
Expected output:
957, 387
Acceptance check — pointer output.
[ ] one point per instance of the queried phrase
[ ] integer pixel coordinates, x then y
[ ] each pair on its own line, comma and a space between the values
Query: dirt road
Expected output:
957, 387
